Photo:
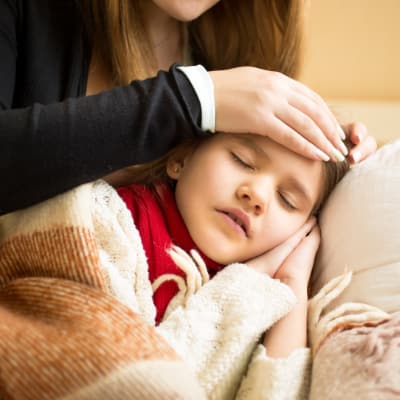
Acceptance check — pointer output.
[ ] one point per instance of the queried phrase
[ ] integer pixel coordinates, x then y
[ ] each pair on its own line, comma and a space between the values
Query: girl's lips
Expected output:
238, 218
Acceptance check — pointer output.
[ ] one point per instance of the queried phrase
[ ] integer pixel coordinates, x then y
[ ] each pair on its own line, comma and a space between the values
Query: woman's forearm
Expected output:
48, 149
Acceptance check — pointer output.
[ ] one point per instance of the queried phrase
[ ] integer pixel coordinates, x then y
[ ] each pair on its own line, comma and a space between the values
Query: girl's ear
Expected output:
174, 168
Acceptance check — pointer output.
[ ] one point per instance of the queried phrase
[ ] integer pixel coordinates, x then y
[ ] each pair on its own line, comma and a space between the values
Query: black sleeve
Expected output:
8, 51
45, 150
48, 149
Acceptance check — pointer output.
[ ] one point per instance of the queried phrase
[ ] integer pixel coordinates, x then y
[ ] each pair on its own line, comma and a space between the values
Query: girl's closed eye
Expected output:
285, 200
241, 162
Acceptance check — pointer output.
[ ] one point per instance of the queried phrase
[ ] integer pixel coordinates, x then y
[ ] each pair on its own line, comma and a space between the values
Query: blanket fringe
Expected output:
345, 316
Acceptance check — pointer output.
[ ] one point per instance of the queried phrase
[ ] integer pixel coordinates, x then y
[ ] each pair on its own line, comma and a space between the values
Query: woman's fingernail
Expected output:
321, 155
357, 138
338, 155
341, 132
343, 148
356, 156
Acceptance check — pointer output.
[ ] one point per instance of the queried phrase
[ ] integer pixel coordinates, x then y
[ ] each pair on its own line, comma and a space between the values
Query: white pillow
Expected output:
360, 227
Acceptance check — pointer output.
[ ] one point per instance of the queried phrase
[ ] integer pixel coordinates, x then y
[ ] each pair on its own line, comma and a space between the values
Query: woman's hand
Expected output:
364, 144
269, 103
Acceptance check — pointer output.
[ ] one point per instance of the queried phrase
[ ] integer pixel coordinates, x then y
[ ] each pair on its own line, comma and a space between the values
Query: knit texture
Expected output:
76, 302
62, 332
160, 225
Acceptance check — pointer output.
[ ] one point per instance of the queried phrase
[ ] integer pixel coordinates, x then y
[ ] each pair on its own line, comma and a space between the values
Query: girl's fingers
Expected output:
314, 236
290, 244
272, 260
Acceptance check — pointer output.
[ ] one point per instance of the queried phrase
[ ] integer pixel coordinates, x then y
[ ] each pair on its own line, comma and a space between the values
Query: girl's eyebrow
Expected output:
298, 186
293, 182
245, 141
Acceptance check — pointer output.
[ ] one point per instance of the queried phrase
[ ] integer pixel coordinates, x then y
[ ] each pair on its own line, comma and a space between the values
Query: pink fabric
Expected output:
359, 363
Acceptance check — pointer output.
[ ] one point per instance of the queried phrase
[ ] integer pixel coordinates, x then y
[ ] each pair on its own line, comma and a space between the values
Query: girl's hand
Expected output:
295, 271
365, 145
273, 260
269, 103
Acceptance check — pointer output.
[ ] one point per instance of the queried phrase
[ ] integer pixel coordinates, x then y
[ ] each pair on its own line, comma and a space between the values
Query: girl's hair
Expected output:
156, 171
262, 33
332, 172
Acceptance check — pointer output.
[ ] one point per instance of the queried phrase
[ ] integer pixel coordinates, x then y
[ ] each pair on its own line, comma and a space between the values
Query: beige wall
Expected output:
352, 58
353, 48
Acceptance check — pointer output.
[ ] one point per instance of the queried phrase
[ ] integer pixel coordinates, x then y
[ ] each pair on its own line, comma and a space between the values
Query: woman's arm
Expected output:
48, 149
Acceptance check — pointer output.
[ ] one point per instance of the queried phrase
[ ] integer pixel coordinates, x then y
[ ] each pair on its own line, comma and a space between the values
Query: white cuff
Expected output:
204, 88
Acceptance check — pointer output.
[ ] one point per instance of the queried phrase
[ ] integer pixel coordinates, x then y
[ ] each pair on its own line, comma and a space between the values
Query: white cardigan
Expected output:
216, 326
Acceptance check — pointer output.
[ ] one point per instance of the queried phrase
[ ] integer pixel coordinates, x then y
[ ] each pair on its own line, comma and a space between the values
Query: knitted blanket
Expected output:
70, 325
77, 317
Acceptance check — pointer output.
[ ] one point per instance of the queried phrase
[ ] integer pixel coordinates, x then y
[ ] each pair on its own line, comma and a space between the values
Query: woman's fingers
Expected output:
365, 144
332, 128
290, 138
363, 150
301, 115
356, 131
310, 116
271, 104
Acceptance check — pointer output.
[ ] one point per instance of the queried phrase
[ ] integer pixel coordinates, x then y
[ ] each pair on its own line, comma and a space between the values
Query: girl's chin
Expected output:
222, 259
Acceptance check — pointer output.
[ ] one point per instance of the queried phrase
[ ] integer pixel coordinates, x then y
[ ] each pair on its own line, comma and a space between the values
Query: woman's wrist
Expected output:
203, 85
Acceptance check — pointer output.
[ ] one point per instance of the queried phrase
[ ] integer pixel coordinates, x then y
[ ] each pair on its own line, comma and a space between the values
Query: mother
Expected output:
70, 112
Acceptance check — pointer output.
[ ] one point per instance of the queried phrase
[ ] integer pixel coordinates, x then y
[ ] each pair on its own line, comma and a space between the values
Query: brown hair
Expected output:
156, 171
262, 33
332, 172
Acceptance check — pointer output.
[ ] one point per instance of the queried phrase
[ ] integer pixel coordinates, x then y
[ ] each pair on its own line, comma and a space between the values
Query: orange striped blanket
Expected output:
63, 334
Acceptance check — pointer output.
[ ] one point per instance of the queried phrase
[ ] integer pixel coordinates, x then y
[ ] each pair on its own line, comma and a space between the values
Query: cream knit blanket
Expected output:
78, 318
67, 328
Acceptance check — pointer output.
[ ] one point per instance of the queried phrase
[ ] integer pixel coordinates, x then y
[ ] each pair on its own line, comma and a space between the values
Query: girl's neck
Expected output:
165, 36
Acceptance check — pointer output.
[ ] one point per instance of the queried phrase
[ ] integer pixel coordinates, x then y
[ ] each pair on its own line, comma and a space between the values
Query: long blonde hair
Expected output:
262, 33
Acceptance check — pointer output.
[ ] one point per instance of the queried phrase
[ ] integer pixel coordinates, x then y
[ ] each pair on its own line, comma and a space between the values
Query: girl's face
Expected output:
184, 10
241, 195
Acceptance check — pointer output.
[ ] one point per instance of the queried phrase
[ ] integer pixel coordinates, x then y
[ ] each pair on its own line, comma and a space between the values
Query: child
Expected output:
79, 273
234, 199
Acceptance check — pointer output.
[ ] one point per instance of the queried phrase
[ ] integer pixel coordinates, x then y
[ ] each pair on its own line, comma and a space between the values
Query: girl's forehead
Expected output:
297, 170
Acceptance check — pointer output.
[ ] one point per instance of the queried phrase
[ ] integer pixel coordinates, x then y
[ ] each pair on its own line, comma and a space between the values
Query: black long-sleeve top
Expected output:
52, 137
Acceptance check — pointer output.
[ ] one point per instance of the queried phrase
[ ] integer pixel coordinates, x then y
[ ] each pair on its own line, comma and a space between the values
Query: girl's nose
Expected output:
254, 198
